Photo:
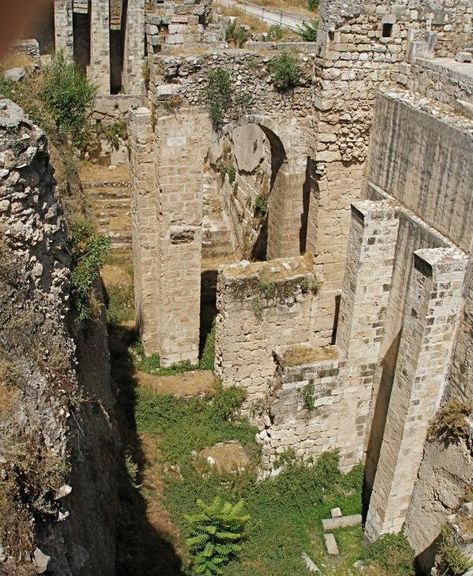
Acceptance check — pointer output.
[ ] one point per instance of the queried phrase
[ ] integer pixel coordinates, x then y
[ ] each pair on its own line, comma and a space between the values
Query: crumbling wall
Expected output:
261, 306
58, 447
302, 409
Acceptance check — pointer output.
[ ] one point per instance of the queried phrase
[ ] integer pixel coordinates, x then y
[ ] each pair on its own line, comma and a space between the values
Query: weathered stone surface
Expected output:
331, 545
341, 522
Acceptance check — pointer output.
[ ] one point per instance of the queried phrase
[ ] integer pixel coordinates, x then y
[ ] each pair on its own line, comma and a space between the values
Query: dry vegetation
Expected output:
304, 355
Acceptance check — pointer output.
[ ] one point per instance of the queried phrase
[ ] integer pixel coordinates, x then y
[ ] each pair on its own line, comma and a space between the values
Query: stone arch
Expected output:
287, 201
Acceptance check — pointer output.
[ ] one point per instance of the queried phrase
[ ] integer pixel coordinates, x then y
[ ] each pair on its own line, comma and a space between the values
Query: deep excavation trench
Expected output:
168, 416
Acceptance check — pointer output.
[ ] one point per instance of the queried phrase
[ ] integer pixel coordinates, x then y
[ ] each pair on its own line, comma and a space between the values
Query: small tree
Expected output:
68, 96
215, 533
284, 71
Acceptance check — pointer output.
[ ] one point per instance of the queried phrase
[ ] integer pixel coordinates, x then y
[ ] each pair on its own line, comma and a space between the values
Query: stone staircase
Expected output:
109, 192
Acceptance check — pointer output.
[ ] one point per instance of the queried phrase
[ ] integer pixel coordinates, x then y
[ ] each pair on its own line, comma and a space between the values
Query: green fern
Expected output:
214, 534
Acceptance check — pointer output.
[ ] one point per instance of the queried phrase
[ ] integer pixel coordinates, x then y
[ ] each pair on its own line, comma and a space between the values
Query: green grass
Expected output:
152, 363
286, 511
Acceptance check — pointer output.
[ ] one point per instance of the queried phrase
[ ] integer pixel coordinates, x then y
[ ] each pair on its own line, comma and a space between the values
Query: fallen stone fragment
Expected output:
342, 522
463, 57
41, 561
14, 74
331, 545
309, 563
336, 512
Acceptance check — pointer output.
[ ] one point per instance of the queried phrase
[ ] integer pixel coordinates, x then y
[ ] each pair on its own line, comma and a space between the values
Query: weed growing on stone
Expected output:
308, 396
261, 207
453, 562
236, 34
284, 71
308, 31
221, 98
450, 424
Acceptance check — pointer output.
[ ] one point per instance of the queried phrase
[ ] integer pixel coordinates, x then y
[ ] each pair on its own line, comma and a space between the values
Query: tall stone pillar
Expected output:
63, 28
99, 69
182, 143
132, 76
365, 293
144, 227
430, 314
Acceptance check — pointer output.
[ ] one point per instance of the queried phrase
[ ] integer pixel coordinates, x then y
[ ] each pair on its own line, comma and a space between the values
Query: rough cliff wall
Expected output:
57, 440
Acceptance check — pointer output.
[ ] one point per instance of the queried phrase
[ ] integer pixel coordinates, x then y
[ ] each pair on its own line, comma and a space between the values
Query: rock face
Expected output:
58, 448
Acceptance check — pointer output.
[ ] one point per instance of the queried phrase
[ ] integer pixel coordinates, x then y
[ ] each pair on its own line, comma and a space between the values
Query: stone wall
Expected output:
261, 306
419, 149
301, 411
361, 48
442, 80
187, 77
422, 160
57, 432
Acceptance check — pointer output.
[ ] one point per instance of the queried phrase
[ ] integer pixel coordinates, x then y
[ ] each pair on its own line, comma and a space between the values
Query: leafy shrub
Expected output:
261, 207
215, 534
275, 33
393, 553
219, 94
221, 98
88, 255
69, 97
450, 424
113, 133
236, 34
308, 31
452, 561
312, 5
284, 71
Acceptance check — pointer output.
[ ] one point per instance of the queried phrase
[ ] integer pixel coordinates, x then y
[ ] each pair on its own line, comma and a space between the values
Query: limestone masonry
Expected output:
330, 223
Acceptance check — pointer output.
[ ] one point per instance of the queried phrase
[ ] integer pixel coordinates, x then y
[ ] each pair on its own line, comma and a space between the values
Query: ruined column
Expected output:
99, 69
132, 77
144, 227
432, 306
63, 28
365, 293
182, 143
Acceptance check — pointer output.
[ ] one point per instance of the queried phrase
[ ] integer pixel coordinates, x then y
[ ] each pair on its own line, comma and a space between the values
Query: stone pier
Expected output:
285, 212
181, 145
132, 77
99, 69
430, 316
144, 226
365, 293
63, 28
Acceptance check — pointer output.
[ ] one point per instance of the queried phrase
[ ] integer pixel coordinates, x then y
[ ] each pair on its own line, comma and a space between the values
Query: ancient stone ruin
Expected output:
328, 224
